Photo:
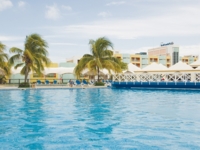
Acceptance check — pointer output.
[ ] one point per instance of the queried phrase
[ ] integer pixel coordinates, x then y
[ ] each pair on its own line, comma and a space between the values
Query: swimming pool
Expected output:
99, 119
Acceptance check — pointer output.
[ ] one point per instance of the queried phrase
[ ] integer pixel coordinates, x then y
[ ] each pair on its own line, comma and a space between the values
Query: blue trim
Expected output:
157, 84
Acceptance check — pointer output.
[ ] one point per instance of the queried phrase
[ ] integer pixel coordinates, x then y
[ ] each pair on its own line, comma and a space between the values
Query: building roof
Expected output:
180, 66
133, 68
154, 67
198, 68
196, 63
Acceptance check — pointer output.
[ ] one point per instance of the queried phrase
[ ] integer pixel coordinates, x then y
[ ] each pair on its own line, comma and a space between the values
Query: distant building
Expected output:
166, 54
165, 50
142, 59
74, 59
188, 59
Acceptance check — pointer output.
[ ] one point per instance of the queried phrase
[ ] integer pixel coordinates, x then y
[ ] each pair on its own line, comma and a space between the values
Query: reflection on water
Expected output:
99, 119
34, 119
96, 114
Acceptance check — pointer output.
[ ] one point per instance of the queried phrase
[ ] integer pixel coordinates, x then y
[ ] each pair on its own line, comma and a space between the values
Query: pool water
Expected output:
99, 119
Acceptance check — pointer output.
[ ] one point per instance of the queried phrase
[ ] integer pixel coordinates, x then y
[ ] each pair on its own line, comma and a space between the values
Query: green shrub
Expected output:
99, 84
24, 85
2, 79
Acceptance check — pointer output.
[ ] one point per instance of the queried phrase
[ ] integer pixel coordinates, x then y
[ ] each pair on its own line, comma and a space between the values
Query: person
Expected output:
60, 79
33, 85
71, 83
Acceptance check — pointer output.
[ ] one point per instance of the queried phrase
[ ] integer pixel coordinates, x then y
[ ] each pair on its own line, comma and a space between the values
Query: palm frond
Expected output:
3, 57
28, 55
12, 59
2, 47
23, 71
15, 50
18, 65
34, 55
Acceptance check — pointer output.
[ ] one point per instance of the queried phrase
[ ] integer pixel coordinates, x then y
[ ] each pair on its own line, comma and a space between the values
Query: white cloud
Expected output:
52, 12
138, 50
115, 3
21, 3
190, 50
5, 4
184, 50
66, 44
66, 7
182, 22
10, 38
61, 44
104, 14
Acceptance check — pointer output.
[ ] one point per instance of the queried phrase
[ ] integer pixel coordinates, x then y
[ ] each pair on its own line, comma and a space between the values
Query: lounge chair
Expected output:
55, 82
91, 82
46, 81
85, 82
78, 82
39, 82
108, 83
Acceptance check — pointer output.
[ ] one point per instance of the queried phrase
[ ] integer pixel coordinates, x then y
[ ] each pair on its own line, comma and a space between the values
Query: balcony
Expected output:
135, 60
153, 60
184, 60
137, 64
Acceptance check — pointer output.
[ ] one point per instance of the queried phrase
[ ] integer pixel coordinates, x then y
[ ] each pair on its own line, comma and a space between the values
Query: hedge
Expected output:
99, 84
24, 85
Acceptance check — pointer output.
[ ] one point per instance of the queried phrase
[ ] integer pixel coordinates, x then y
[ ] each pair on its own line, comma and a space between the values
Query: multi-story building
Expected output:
74, 60
166, 52
188, 59
142, 60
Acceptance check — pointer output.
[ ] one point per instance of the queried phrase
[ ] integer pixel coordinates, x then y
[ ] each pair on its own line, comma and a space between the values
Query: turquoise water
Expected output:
99, 119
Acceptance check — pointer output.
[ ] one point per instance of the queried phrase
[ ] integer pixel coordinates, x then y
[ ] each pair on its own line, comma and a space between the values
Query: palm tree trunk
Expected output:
26, 74
98, 73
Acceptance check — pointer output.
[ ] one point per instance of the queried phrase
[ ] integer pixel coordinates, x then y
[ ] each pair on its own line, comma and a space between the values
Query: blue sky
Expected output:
131, 25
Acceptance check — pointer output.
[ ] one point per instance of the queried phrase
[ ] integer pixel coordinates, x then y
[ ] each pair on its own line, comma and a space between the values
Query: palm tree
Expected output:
33, 57
100, 58
4, 67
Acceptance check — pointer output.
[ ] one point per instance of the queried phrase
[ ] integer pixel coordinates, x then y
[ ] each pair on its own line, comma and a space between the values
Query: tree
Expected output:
33, 57
4, 66
100, 58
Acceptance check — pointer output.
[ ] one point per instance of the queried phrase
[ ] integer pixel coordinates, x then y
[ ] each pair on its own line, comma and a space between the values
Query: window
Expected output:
35, 75
175, 56
126, 57
51, 75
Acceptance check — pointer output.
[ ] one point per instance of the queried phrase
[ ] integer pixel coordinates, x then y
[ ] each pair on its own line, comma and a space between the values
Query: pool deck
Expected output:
12, 87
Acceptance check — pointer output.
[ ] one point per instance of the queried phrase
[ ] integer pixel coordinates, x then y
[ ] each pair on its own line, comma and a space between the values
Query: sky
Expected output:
131, 25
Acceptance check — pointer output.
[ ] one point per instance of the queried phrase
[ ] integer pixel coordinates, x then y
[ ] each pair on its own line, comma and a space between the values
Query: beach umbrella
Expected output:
154, 67
128, 72
133, 68
180, 66
195, 64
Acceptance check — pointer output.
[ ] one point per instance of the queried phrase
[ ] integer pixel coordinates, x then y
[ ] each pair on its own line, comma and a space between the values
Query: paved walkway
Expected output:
7, 87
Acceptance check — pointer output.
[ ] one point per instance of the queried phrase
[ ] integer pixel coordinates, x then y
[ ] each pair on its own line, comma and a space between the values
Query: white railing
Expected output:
167, 77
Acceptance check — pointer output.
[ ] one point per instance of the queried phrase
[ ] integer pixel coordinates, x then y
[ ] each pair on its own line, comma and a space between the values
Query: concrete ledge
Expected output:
51, 87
